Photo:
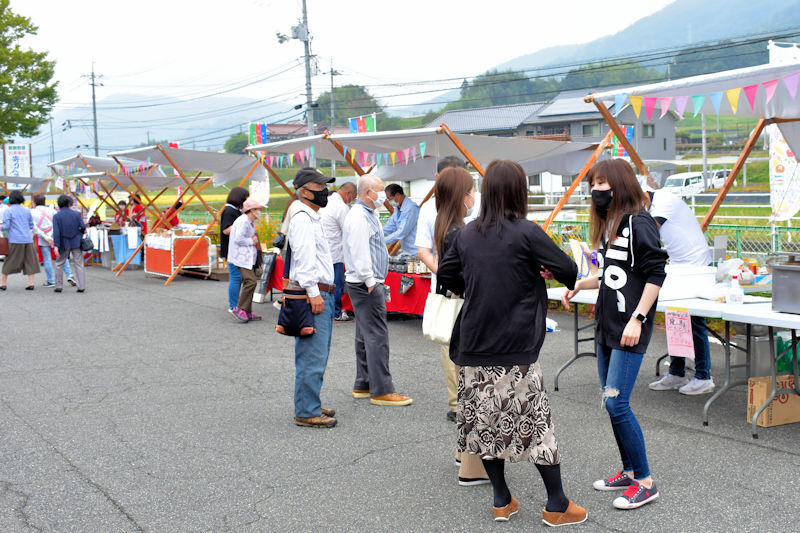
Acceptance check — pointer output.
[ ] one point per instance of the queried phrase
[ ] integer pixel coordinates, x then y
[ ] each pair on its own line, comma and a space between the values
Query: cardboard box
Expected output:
784, 409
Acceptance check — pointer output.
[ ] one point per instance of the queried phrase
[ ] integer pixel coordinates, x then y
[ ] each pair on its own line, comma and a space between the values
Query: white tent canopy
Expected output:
146, 182
559, 157
29, 183
763, 91
103, 164
225, 167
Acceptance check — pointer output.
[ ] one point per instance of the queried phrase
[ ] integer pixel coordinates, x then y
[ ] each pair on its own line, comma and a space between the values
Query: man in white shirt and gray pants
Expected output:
367, 261
332, 216
311, 268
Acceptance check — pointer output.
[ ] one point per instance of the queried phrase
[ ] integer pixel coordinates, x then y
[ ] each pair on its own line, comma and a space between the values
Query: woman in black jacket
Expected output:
631, 266
503, 411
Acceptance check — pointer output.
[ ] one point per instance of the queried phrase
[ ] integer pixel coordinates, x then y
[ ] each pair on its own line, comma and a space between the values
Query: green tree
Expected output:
348, 101
724, 57
502, 88
609, 74
26, 94
236, 143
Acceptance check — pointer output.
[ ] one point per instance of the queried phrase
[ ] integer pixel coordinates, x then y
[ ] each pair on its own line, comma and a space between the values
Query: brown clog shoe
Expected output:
575, 514
320, 421
391, 399
360, 393
502, 514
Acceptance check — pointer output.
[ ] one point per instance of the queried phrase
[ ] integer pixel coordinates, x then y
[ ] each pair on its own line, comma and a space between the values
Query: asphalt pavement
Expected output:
139, 407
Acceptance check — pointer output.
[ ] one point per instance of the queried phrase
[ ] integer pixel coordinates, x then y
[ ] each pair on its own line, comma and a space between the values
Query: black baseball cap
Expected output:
309, 175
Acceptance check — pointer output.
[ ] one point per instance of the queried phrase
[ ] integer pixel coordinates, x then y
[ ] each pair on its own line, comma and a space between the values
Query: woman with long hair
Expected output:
455, 199
232, 211
503, 411
630, 275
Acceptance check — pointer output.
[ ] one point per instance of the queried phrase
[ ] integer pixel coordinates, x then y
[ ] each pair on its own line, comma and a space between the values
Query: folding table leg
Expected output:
576, 354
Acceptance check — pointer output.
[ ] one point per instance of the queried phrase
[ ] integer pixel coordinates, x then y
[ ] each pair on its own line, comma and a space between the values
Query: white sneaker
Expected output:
698, 386
668, 382
277, 304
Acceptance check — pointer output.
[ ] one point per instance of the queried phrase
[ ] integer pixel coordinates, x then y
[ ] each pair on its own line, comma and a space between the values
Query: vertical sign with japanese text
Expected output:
17, 159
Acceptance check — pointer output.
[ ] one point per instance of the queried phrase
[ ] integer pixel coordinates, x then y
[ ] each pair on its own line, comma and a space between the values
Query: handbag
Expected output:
258, 267
4, 248
86, 243
295, 318
279, 240
439, 317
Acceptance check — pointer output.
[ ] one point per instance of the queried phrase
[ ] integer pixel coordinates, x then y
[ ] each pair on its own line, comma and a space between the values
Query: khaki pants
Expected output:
450, 378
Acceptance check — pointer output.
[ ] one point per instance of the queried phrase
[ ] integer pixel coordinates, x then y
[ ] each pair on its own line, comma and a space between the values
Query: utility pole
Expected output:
333, 122
94, 83
52, 146
309, 109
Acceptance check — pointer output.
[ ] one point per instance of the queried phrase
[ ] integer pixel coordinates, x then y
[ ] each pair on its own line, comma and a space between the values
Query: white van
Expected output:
685, 184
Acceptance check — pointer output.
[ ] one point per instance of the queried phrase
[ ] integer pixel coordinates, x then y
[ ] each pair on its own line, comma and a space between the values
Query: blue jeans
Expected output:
702, 355
310, 360
234, 285
47, 261
338, 280
618, 371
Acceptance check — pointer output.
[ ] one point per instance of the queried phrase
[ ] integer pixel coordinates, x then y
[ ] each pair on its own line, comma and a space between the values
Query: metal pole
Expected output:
703, 146
333, 127
94, 113
309, 109
52, 146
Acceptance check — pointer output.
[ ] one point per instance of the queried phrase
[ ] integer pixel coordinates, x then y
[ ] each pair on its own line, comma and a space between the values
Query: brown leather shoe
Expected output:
391, 399
502, 514
575, 514
360, 393
320, 421
328, 412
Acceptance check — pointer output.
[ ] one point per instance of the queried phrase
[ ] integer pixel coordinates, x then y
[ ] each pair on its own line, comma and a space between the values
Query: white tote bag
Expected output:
439, 317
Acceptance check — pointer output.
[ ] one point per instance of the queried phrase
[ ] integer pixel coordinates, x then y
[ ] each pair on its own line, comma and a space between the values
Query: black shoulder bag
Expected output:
295, 318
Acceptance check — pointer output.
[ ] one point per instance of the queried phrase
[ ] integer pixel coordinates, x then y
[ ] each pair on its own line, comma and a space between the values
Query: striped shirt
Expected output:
366, 258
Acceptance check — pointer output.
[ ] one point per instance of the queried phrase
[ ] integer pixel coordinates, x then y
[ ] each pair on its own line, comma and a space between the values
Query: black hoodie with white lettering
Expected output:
630, 261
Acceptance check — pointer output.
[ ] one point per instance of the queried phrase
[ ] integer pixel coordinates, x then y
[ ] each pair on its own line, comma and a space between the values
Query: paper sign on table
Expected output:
679, 332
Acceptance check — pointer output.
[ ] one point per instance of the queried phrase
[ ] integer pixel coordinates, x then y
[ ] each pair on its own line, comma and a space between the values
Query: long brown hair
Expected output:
628, 198
452, 185
504, 195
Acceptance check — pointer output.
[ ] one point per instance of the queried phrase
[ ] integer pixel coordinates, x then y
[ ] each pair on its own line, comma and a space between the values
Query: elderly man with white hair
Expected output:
367, 262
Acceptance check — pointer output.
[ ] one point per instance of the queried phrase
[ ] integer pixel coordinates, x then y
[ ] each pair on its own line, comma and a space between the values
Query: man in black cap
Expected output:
311, 268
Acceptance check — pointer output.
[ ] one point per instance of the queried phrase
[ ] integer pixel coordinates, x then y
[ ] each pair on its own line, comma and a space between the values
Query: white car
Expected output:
718, 178
685, 184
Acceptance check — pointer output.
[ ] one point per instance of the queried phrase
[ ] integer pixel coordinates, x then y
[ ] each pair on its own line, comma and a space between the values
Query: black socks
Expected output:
495, 472
557, 501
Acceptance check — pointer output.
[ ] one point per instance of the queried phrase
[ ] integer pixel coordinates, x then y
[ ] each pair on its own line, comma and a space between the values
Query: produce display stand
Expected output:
162, 255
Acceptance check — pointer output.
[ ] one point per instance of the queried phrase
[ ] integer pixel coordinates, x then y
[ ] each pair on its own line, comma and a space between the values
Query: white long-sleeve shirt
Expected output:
311, 261
366, 258
241, 250
332, 216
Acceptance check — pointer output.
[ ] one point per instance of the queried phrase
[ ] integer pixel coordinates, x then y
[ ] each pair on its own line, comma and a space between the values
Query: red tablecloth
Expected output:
412, 302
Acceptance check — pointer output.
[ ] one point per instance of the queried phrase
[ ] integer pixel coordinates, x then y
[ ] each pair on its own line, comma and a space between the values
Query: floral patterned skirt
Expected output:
504, 413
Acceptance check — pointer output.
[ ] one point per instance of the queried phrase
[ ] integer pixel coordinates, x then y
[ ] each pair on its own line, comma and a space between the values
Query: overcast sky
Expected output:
192, 48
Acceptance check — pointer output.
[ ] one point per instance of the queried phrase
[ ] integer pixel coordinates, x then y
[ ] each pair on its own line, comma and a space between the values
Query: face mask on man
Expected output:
394, 204
381, 198
601, 200
320, 197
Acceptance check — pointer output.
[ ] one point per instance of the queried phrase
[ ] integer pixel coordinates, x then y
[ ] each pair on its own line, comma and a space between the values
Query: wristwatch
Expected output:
640, 317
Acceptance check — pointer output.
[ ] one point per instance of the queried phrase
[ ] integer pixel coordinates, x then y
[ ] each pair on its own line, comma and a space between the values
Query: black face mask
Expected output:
320, 197
601, 201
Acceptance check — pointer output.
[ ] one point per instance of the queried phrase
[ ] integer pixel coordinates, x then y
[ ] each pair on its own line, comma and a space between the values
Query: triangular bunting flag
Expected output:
790, 81
680, 104
697, 102
414, 153
308, 154
636, 102
619, 101
664, 103
400, 158
649, 106
392, 154
301, 156
291, 160
716, 99
311, 151
750, 92
770, 87
406, 153
353, 155
422, 147
733, 98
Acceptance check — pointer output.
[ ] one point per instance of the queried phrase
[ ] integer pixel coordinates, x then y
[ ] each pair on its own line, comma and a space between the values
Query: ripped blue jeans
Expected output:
618, 370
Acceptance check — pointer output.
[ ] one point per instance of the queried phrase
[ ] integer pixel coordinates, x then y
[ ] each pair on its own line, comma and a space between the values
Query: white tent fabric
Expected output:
560, 157
146, 182
781, 105
102, 164
31, 184
226, 167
